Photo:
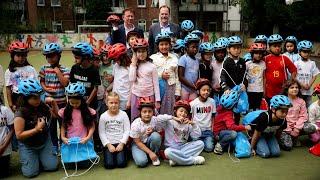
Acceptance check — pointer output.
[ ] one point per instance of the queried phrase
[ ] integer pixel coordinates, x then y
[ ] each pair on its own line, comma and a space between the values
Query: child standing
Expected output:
203, 109
261, 39
307, 71
297, 117
144, 77
1, 83
267, 126
219, 53
167, 68
291, 50
177, 132
132, 36
255, 75
77, 118
19, 69
114, 128
186, 27
205, 68
314, 116
6, 133
188, 68
178, 48
31, 125
277, 66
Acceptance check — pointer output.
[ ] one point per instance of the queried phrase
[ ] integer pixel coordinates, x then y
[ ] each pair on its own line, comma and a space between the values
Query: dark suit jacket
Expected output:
119, 36
155, 30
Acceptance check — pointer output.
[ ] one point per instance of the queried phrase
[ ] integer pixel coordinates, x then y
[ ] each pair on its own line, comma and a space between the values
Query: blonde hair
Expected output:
112, 94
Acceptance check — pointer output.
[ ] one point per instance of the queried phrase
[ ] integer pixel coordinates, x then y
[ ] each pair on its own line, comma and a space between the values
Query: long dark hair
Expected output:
88, 119
30, 111
294, 44
287, 85
125, 61
12, 65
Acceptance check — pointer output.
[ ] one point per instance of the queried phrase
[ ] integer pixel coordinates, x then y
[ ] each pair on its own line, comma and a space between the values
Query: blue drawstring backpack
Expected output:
216, 98
252, 116
242, 146
242, 107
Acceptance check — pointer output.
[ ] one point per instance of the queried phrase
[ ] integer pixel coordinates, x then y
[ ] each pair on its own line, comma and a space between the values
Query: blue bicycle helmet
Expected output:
224, 40
83, 49
75, 89
205, 47
164, 36
179, 44
234, 40
220, 45
280, 101
229, 100
51, 48
261, 39
275, 38
305, 45
198, 33
187, 25
29, 87
191, 38
247, 57
291, 39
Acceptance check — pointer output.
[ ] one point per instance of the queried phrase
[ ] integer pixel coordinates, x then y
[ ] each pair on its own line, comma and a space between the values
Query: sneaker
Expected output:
172, 163
156, 162
218, 149
199, 160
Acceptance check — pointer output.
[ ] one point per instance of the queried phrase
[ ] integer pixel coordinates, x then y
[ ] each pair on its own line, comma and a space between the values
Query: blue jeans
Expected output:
268, 146
116, 159
207, 138
139, 156
101, 108
30, 156
226, 137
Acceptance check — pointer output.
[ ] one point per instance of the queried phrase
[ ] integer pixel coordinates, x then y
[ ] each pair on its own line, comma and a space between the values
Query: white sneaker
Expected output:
156, 162
172, 163
199, 160
218, 149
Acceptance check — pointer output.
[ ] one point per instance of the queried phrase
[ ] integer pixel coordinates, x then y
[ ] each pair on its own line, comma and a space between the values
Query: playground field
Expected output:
298, 164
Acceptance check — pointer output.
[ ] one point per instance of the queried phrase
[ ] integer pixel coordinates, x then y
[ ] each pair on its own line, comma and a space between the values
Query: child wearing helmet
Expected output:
291, 49
114, 129
261, 38
307, 71
54, 77
186, 27
203, 109
85, 72
255, 75
132, 36
219, 53
178, 48
167, 70
314, 115
297, 117
18, 69
78, 119
205, 68
178, 131
188, 68
267, 126
144, 77
225, 129
31, 125
277, 66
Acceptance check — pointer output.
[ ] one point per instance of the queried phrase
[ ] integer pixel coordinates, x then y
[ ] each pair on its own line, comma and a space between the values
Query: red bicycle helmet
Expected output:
201, 82
96, 52
18, 46
113, 18
145, 102
257, 47
140, 43
316, 89
105, 48
116, 51
182, 103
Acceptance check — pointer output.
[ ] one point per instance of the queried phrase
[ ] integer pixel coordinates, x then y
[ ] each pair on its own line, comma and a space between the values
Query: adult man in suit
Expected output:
119, 32
163, 26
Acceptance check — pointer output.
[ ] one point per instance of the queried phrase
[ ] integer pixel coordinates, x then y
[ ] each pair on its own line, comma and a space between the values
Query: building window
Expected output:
155, 21
142, 3
41, 2
55, 3
213, 1
212, 27
142, 24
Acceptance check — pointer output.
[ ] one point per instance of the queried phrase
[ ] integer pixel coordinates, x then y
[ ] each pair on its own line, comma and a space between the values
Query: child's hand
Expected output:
119, 147
40, 124
157, 104
228, 91
248, 127
84, 140
65, 140
111, 148
178, 119
242, 87
134, 59
295, 132
153, 156
149, 131
188, 121
128, 105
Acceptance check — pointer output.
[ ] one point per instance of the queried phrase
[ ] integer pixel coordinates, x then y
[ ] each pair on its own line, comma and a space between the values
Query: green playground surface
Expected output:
297, 164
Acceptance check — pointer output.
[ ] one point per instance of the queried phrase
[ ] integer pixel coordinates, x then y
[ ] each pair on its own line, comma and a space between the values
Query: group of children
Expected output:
178, 101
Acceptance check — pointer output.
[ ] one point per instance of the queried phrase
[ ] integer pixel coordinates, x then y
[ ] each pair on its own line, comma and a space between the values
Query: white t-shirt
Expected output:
114, 129
202, 112
216, 67
314, 112
21, 73
306, 70
255, 76
6, 119
121, 83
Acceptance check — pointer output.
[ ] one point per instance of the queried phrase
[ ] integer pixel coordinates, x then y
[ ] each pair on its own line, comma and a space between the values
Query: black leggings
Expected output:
254, 100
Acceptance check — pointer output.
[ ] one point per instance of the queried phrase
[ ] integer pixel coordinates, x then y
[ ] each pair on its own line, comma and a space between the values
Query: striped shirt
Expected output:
51, 80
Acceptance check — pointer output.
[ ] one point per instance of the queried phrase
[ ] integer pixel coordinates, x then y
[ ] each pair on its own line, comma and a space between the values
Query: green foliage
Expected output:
97, 9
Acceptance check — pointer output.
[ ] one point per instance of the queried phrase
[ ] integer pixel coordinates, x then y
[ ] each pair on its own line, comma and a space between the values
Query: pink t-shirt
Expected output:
77, 128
